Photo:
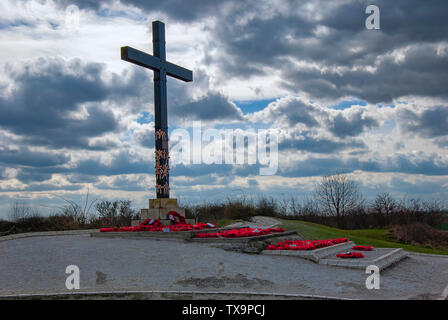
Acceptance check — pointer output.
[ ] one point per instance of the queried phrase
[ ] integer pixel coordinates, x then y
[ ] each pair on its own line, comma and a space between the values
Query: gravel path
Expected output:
37, 265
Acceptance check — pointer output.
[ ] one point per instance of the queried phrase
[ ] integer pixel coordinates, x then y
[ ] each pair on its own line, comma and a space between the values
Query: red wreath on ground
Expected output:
350, 255
177, 220
304, 244
363, 248
239, 233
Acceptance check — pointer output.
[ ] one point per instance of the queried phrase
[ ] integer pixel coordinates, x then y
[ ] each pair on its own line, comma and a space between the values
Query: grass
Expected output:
380, 238
444, 226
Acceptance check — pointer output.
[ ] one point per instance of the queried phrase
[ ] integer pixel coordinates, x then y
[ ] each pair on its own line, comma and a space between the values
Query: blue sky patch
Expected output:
348, 104
251, 106
145, 117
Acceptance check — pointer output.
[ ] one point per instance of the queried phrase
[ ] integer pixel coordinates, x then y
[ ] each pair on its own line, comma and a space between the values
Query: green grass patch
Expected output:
444, 226
380, 238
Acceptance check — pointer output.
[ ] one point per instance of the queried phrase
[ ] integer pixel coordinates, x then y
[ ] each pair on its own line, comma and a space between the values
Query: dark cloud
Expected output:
173, 8
124, 183
430, 123
27, 176
196, 170
253, 182
252, 38
123, 163
295, 110
38, 187
419, 188
422, 72
211, 107
82, 178
319, 145
25, 157
441, 142
351, 126
3, 174
292, 111
399, 164
145, 137
42, 106
209, 179
267, 43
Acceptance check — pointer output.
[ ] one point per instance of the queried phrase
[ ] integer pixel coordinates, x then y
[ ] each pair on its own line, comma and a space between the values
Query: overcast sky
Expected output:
369, 103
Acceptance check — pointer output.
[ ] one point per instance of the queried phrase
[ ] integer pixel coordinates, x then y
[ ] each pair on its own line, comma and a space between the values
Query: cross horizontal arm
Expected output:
178, 72
142, 59
148, 61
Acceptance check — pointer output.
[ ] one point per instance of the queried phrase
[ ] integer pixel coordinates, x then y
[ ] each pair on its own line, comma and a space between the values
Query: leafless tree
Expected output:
19, 211
385, 204
80, 212
337, 195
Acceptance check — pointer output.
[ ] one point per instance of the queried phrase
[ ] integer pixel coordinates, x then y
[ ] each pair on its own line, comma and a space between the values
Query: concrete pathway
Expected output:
258, 222
37, 265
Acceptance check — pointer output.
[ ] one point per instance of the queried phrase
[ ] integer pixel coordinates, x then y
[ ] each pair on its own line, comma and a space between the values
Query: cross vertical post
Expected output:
157, 62
160, 112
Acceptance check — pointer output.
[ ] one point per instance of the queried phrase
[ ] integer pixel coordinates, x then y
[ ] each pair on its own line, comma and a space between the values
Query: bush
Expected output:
6, 226
266, 207
114, 213
61, 222
419, 233
239, 210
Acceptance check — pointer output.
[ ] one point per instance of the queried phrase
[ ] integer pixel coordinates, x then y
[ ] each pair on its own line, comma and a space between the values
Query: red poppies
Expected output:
177, 224
363, 248
304, 244
239, 233
350, 255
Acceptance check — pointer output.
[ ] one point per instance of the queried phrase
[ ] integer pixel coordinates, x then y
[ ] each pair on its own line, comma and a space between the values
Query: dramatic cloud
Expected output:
25, 157
369, 103
343, 127
212, 107
58, 103
430, 123
327, 146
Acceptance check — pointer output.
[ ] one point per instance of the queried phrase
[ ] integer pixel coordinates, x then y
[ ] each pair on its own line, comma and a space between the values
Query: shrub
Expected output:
239, 210
266, 207
421, 234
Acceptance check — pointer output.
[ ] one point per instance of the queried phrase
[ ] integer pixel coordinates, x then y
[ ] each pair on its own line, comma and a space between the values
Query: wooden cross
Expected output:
157, 62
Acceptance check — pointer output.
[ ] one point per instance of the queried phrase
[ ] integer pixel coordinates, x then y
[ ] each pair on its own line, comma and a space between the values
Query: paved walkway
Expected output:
37, 265
258, 222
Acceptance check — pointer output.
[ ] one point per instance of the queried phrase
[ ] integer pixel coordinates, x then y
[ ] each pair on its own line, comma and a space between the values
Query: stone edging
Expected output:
427, 254
182, 235
313, 255
243, 239
241, 293
46, 234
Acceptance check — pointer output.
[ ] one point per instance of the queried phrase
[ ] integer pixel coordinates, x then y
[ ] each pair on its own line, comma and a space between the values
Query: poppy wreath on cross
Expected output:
350, 255
176, 218
178, 223
363, 248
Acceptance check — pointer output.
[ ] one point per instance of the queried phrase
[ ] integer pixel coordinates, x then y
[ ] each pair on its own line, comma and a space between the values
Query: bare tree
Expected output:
337, 195
20, 210
79, 212
384, 204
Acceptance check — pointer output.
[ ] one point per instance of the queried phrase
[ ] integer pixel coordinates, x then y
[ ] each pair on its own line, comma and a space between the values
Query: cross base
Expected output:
159, 209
